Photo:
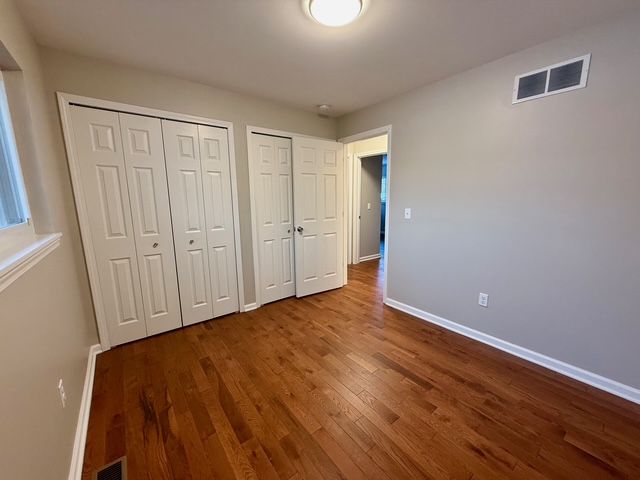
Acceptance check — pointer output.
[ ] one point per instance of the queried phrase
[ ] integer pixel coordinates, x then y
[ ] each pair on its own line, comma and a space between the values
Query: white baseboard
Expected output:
370, 257
612, 386
77, 458
250, 306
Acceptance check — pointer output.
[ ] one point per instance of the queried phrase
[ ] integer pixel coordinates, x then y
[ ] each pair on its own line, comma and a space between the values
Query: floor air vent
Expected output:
114, 471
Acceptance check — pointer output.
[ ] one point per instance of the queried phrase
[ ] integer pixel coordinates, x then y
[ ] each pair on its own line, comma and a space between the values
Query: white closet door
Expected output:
272, 184
182, 152
218, 207
147, 180
318, 214
104, 183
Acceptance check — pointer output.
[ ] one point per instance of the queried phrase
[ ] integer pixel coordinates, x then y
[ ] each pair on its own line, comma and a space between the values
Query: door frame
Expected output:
350, 186
65, 100
252, 200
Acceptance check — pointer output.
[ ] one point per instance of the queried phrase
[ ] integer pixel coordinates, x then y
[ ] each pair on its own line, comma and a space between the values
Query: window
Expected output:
20, 247
13, 205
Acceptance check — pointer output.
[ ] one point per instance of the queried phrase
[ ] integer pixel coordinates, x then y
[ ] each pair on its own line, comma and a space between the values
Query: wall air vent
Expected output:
559, 78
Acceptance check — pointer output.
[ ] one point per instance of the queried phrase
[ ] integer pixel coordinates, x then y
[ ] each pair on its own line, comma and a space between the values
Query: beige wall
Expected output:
46, 315
370, 205
95, 78
535, 204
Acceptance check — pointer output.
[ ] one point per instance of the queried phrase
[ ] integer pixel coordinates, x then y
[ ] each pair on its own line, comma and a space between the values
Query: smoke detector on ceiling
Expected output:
324, 110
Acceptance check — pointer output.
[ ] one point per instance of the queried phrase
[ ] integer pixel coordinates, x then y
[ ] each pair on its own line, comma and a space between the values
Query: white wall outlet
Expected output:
483, 299
407, 213
63, 395
368, 206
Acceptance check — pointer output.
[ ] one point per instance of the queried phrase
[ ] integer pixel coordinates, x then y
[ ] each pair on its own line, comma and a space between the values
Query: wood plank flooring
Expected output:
339, 386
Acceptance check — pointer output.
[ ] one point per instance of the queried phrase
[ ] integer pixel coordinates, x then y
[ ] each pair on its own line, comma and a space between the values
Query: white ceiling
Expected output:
272, 49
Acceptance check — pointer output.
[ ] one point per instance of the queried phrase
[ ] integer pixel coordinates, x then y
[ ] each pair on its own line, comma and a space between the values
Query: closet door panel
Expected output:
218, 208
99, 150
265, 183
318, 196
285, 219
274, 211
147, 180
184, 173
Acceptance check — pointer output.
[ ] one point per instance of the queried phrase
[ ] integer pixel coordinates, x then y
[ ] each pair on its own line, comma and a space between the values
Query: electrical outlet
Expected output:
407, 213
483, 299
368, 206
63, 395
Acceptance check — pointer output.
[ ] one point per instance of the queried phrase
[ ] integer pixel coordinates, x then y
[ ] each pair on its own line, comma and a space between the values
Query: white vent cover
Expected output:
559, 78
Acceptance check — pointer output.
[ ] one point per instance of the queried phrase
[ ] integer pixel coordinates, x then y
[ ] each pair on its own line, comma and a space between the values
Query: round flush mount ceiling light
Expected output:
335, 13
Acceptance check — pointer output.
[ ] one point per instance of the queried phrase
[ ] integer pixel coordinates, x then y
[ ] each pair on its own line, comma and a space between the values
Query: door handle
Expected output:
288, 230
155, 245
300, 229
191, 241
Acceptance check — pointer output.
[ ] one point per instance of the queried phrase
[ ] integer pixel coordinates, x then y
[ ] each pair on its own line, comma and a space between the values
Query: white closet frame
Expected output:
65, 100
254, 216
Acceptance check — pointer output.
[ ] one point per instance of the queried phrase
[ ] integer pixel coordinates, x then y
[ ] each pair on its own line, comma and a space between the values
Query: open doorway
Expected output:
370, 216
368, 158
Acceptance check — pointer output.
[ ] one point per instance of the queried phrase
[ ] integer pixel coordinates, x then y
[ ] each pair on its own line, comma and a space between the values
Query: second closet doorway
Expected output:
297, 198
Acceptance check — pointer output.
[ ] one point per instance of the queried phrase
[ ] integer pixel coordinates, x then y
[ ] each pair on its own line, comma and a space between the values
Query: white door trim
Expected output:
65, 100
376, 132
252, 199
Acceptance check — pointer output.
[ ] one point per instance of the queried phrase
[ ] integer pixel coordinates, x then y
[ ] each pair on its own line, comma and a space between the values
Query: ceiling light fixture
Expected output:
335, 13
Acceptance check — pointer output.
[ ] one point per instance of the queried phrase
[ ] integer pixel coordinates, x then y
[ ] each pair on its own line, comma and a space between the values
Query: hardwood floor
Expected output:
339, 386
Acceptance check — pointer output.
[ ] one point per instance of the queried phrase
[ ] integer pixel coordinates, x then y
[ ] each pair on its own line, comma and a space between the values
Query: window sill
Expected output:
19, 258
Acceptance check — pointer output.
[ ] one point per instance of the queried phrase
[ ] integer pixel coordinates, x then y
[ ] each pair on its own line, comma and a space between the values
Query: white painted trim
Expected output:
252, 200
583, 79
598, 381
77, 457
18, 262
366, 258
138, 110
376, 132
250, 306
65, 100
281, 133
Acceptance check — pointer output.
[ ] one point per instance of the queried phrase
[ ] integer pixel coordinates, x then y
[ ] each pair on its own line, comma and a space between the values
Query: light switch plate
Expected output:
483, 299
407, 213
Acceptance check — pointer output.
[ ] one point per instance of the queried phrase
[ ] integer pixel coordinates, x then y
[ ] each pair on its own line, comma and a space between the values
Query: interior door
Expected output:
218, 208
182, 152
272, 183
318, 192
147, 180
104, 183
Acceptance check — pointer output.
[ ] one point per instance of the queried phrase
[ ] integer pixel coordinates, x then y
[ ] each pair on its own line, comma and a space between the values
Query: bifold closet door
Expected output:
272, 183
147, 181
218, 208
318, 192
100, 157
184, 173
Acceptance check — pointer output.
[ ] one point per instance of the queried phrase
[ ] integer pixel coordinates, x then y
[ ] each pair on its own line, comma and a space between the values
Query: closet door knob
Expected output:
191, 241
300, 229
155, 245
